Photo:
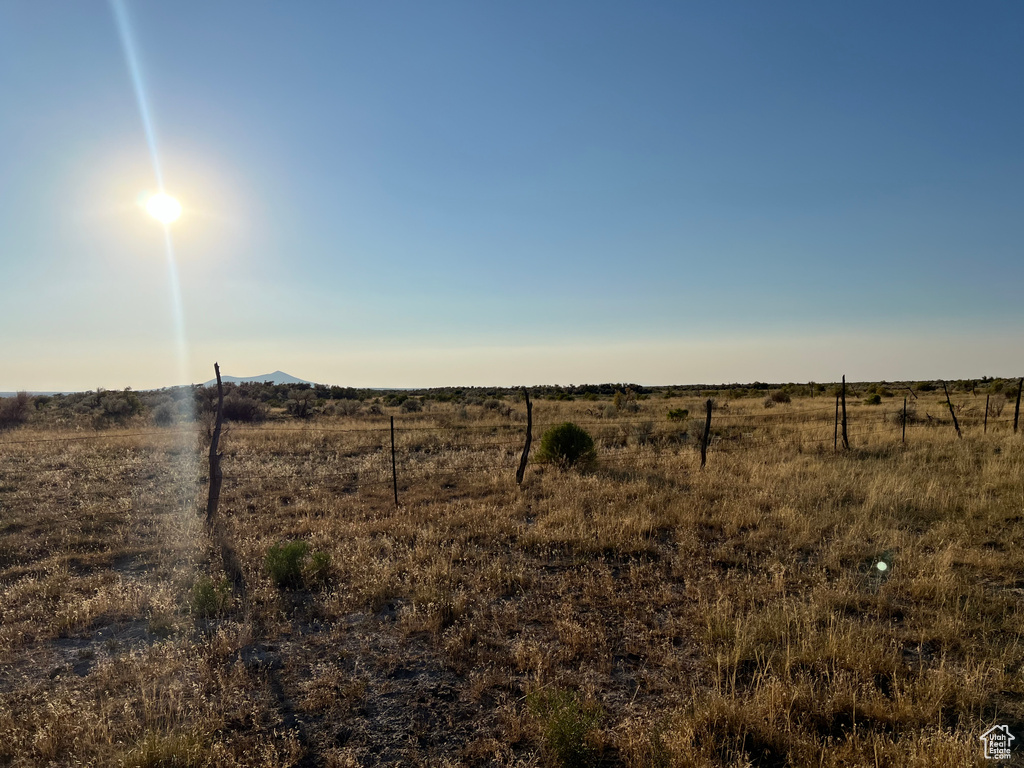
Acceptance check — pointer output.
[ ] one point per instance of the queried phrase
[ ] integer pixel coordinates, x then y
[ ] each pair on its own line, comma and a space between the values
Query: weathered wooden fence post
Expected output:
394, 472
705, 437
956, 424
986, 412
904, 419
1016, 410
835, 429
213, 499
846, 439
529, 438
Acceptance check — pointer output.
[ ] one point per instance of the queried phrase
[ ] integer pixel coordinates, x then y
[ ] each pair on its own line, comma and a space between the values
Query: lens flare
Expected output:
163, 208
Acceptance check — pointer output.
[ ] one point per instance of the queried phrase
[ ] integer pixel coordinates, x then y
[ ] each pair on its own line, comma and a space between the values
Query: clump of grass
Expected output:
209, 598
678, 414
318, 569
568, 725
567, 445
284, 563
291, 565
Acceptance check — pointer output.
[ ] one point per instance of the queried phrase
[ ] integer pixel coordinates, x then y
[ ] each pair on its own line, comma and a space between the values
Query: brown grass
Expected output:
725, 617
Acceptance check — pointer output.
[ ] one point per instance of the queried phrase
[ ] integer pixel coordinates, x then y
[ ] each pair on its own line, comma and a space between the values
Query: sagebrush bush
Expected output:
411, 405
678, 414
568, 445
874, 399
779, 397
284, 563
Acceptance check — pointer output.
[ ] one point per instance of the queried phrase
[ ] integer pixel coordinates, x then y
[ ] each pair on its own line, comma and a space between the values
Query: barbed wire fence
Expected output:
385, 455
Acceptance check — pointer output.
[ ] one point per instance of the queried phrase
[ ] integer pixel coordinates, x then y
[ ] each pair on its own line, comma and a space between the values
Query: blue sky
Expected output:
415, 194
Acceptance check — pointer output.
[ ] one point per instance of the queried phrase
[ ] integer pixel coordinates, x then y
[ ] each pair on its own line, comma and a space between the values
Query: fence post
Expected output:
1016, 410
704, 437
846, 440
529, 438
394, 472
904, 419
986, 412
835, 430
956, 424
213, 499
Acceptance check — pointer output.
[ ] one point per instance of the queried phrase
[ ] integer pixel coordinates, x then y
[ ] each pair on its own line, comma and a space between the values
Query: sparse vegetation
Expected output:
642, 614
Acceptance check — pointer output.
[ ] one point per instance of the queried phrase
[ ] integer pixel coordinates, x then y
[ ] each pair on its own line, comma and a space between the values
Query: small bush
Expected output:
567, 726
779, 396
284, 564
874, 399
14, 410
208, 598
567, 445
411, 405
678, 414
644, 432
347, 407
164, 414
238, 407
301, 402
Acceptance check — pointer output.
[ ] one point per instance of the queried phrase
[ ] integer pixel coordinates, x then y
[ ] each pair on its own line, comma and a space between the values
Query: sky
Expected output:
412, 194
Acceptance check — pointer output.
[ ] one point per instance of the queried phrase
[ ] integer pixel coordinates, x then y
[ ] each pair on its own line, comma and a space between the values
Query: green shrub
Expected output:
284, 563
208, 598
411, 405
779, 396
678, 414
567, 726
874, 399
567, 445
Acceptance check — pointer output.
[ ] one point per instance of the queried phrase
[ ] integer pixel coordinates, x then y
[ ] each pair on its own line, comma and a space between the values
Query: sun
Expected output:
163, 208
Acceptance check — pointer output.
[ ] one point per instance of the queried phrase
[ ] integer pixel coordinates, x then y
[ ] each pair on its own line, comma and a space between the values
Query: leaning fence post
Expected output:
986, 412
213, 499
956, 424
394, 472
529, 438
846, 440
704, 437
904, 419
1016, 410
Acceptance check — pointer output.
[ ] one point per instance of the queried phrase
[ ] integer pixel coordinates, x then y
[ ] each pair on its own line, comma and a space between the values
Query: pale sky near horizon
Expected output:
429, 194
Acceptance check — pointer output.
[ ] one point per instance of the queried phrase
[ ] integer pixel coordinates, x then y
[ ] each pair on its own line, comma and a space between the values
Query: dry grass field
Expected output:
640, 613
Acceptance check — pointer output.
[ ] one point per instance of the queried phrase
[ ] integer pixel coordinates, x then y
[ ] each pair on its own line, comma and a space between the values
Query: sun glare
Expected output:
163, 208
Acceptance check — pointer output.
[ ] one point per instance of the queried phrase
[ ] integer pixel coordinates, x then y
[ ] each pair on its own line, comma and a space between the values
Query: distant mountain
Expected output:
277, 377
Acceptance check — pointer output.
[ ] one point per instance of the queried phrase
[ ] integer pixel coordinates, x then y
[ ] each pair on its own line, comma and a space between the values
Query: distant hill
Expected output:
277, 377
